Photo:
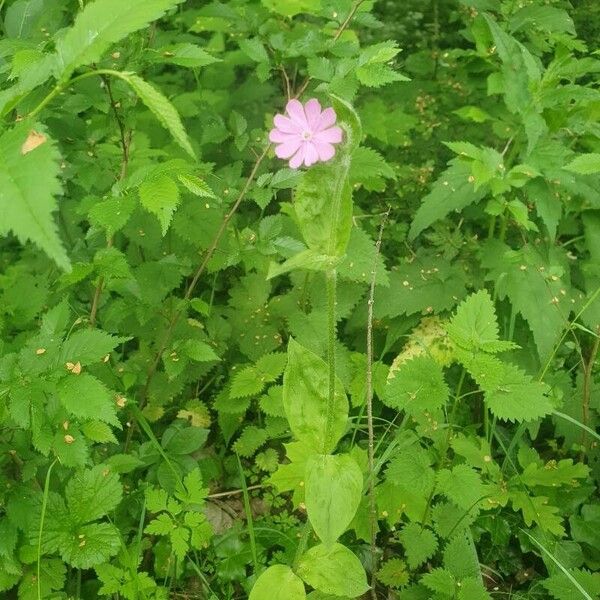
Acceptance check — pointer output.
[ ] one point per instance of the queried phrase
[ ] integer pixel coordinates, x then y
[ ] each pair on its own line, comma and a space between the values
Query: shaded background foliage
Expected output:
140, 370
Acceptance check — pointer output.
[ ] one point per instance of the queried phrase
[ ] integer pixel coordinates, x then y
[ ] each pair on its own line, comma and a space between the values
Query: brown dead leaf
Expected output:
33, 141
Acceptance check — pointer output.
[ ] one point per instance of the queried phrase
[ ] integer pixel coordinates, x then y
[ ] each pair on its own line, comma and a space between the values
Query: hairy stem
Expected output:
331, 335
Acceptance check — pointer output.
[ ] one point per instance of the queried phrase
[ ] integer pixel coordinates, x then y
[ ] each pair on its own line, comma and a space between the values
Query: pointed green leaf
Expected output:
334, 486
333, 570
279, 579
305, 385
29, 184
102, 23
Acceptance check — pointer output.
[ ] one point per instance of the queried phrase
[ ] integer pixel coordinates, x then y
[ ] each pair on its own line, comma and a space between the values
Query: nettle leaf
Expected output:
510, 393
462, 484
452, 191
373, 70
251, 439
411, 469
474, 326
93, 493
90, 545
305, 399
187, 55
537, 285
460, 556
251, 381
85, 397
29, 184
333, 570
417, 385
112, 214
88, 346
394, 573
440, 581
427, 284
159, 104
102, 23
281, 578
420, 544
370, 169
160, 196
585, 164
334, 486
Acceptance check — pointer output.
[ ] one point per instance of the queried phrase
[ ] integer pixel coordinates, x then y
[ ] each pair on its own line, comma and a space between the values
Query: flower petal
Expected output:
328, 118
333, 135
325, 150
280, 137
312, 109
295, 109
297, 159
286, 125
286, 149
311, 156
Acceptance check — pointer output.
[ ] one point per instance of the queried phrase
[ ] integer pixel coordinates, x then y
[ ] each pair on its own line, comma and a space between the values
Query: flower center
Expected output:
307, 135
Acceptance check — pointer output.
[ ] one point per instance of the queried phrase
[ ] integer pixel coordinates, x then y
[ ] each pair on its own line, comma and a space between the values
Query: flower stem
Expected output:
331, 327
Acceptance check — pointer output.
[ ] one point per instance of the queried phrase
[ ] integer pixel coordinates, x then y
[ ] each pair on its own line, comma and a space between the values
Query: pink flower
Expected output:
306, 135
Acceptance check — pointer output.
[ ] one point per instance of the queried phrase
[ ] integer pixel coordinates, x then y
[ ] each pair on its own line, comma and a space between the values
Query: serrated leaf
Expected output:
411, 468
440, 581
585, 164
160, 106
462, 484
460, 557
29, 185
394, 573
97, 431
250, 441
187, 55
377, 75
199, 351
474, 326
254, 49
370, 169
197, 186
90, 545
416, 385
93, 493
510, 393
160, 196
112, 214
452, 191
420, 544
102, 23
85, 397
88, 346
536, 281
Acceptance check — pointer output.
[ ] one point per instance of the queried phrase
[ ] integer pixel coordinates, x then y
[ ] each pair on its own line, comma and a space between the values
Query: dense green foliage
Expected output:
374, 377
